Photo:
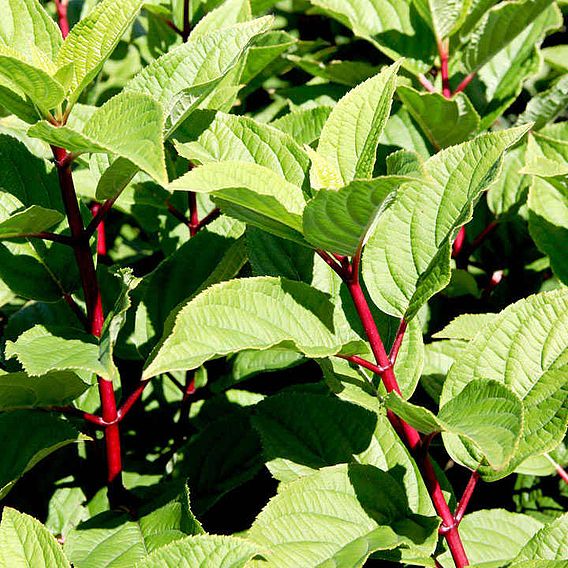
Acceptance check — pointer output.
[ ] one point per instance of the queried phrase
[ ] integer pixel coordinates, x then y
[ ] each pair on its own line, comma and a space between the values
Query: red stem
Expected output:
398, 341
46, 236
481, 237
193, 213
465, 82
132, 399
101, 233
363, 362
186, 27
426, 83
412, 437
61, 7
459, 243
77, 310
443, 50
562, 473
464, 501
95, 317
210, 217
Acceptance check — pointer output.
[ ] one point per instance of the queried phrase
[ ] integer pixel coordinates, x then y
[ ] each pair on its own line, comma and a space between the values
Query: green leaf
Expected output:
350, 136
27, 27
393, 27
546, 106
524, 348
203, 550
492, 537
549, 543
556, 56
41, 350
445, 16
367, 507
237, 138
24, 541
34, 219
407, 257
57, 388
487, 413
465, 326
66, 509
444, 121
26, 437
227, 14
349, 73
197, 65
92, 40
340, 220
114, 540
255, 313
548, 223
27, 80
498, 27
547, 155
129, 125
251, 193
303, 125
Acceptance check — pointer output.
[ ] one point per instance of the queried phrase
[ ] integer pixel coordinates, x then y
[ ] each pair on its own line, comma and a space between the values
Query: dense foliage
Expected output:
283, 283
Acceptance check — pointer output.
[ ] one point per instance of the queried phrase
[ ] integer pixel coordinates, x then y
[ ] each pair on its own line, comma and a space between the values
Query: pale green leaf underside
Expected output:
525, 348
407, 257
549, 543
547, 154
203, 550
339, 220
251, 313
444, 121
227, 14
350, 136
251, 193
56, 388
366, 507
92, 40
465, 326
40, 351
487, 413
548, 223
241, 139
493, 537
546, 106
26, 25
27, 80
31, 220
303, 125
202, 61
129, 125
24, 541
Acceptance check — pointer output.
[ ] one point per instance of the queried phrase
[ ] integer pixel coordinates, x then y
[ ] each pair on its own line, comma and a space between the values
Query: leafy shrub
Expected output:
262, 262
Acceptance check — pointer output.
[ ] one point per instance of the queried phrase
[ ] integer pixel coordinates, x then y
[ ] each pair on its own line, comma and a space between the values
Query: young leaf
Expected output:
367, 507
340, 220
93, 39
27, 27
56, 388
498, 27
487, 413
251, 193
396, 29
238, 138
407, 258
524, 348
198, 64
444, 16
350, 136
255, 313
129, 125
26, 437
444, 121
227, 14
203, 550
31, 220
24, 541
